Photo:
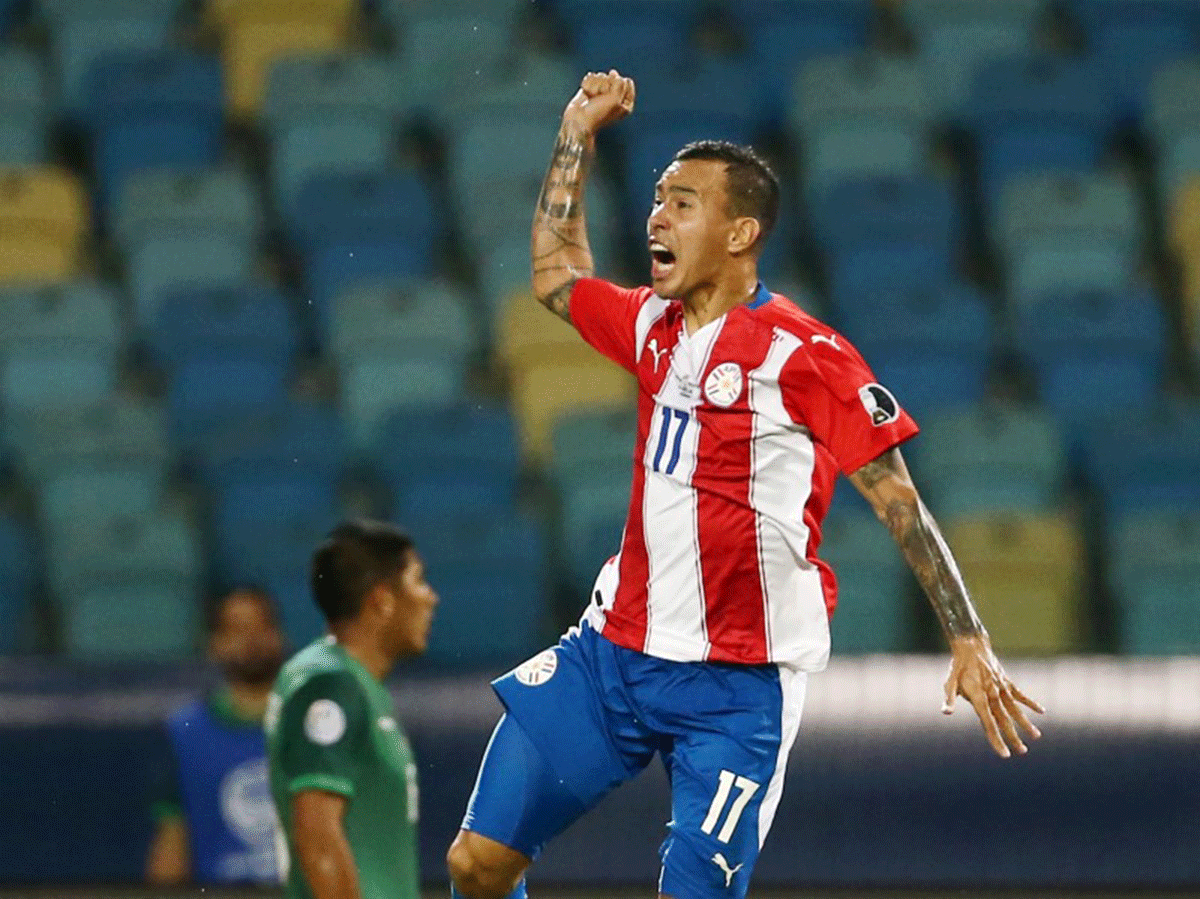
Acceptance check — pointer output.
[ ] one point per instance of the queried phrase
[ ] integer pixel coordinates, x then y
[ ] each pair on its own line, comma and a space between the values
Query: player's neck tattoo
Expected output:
559, 248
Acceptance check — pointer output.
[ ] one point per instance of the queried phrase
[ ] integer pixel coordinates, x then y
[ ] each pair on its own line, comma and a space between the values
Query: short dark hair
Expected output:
355, 557
752, 187
215, 607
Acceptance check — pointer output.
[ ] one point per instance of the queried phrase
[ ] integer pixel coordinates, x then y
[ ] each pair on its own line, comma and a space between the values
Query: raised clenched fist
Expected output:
601, 100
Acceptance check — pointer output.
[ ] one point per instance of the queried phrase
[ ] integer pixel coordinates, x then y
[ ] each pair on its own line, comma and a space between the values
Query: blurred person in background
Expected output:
704, 625
342, 771
215, 820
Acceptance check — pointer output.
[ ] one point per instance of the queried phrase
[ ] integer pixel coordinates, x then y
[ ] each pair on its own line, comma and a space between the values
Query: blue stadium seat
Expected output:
597, 436
81, 315
1095, 353
142, 618
640, 40
209, 388
84, 33
162, 264
153, 109
512, 148
302, 620
874, 613
1152, 467
920, 209
250, 317
893, 265
321, 145
952, 52
854, 150
403, 313
716, 95
992, 458
260, 548
1069, 264
533, 88
922, 16
375, 383
19, 573
781, 37
599, 540
349, 83
403, 13
94, 490
9, 10
210, 200
24, 93
934, 351
445, 56
274, 494
24, 139
857, 87
1154, 567
1130, 52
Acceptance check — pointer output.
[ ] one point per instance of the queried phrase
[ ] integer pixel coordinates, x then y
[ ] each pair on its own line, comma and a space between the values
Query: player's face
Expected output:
247, 642
689, 228
413, 615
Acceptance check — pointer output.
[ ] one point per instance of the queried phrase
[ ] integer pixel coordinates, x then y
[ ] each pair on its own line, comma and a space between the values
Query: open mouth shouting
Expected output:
662, 260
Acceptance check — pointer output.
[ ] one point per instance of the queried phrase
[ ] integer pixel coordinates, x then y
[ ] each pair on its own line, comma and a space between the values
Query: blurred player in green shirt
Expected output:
342, 772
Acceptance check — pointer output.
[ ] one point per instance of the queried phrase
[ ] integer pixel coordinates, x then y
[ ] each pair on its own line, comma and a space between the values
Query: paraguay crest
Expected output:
539, 669
723, 386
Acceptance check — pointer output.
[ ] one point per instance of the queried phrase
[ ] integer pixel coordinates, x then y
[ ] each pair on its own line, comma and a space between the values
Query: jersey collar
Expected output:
761, 297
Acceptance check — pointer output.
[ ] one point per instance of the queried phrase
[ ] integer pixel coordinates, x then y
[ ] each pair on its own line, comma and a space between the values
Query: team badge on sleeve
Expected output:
879, 403
539, 669
723, 385
324, 722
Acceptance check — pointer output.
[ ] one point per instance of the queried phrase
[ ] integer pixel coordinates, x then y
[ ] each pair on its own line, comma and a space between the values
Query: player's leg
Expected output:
726, 770
517, 806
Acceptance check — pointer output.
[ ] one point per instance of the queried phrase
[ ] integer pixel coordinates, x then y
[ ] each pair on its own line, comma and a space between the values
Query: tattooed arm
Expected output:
975, 672
559, 247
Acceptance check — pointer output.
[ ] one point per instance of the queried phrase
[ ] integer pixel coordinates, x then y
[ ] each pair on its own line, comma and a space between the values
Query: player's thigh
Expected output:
726, 774
519, 801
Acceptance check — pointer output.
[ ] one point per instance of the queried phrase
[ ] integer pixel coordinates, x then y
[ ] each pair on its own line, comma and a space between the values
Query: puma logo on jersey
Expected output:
720, 862
830, 339
652, 346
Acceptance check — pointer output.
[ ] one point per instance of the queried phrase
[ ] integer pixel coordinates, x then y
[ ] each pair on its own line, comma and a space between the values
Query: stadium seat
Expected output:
43, 224
1172, 107
640, 40
138, 619
410, 313
1095, 353
922, 16
325, 145
207, 200
1069, 264
1130, 52
504, 274
254, 318
270, 496
113, 432
1154, 567
346, 84
378, 381
991, 458
549, 383
1026, 577
24, 100
593, 437
1153, 466
1179, 161
259, 548
258, 34
83, 314
152, 109
125, 544
446, 56
515, 149
953, 50
1098, 207
24, 139
531, 88
92, 490
860, 87
84, 33
528, 330
874, 610
893, 265
402, 13
67, 378
878, 210
162, 264
215, 386
716, 95
856, 150
934, 352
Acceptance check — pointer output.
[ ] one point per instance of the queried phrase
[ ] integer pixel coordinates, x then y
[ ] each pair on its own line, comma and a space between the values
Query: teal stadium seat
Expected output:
924, 15
832, 153
121, 545
376, 381
404, 13
326, 143
952, 51
533, 88
160, 264
1179, 162
418, 314
25, 108
92, 490
183, 202
860, 87
1070, 265
348, 84
509, 148
446, 56
874, 612
82, 315
992, 458
139, 619
1154, 562
1101, 207
1172, 105
63, 378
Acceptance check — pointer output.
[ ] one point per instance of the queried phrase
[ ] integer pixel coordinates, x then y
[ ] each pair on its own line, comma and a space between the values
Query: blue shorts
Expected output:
587, 715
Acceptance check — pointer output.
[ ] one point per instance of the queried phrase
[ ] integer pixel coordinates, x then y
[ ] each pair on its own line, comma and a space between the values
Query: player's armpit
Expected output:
322, 850
888, 487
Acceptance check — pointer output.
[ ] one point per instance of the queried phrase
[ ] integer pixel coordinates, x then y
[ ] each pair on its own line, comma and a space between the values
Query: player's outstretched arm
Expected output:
975, 672
559, 245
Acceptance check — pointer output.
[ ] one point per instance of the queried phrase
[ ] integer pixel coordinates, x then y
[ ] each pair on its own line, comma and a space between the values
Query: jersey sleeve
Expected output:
324, 729
834, 393
606, 317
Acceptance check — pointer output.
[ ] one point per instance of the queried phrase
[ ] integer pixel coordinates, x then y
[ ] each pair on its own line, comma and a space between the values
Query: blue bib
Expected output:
226, 797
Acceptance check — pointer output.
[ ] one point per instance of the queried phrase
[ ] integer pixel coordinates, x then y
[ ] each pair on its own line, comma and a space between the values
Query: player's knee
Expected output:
483, 869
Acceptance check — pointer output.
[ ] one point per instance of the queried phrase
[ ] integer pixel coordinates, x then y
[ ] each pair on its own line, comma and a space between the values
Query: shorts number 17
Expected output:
746, 789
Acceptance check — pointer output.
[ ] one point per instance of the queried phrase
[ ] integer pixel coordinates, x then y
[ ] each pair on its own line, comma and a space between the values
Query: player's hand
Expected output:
601, 100
976, 675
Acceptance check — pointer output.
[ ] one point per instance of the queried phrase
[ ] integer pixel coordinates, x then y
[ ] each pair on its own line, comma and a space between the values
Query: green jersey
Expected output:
331, 726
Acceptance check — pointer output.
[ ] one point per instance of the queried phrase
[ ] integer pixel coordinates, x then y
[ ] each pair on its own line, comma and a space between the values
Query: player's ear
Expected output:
744, 233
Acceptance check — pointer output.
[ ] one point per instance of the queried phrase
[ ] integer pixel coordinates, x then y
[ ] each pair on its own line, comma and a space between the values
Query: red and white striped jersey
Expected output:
742, 429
